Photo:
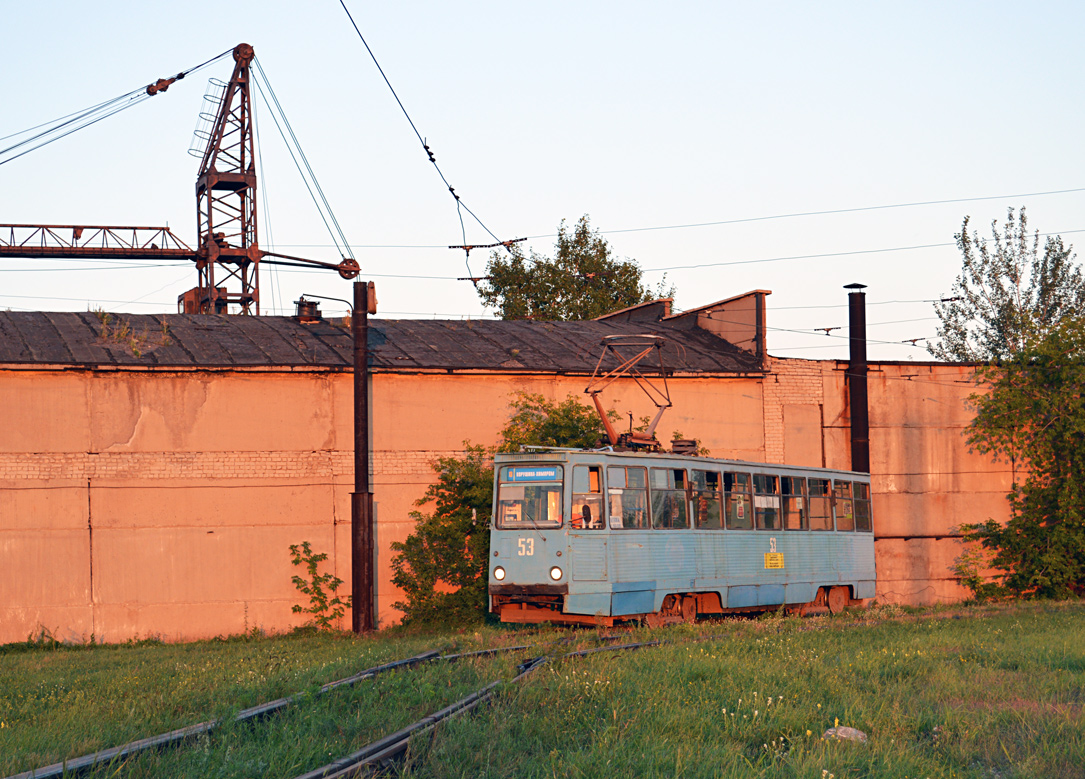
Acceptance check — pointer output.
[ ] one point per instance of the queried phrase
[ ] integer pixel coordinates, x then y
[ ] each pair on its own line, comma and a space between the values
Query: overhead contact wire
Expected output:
429, 153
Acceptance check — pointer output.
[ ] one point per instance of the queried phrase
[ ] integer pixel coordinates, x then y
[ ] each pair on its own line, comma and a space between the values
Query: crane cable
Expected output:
460, 205
70, 123
316, 192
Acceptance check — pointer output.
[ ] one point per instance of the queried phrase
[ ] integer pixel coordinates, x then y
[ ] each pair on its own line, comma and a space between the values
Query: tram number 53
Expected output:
525, 547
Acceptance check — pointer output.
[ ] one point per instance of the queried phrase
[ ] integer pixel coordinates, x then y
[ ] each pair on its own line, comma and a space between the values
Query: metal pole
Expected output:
361, 500
857, 379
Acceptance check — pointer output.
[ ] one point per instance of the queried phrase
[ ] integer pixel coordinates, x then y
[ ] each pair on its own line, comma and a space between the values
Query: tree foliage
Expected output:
437, 566
537, 421
584, 279
1007, 293
1034, 415
442, 566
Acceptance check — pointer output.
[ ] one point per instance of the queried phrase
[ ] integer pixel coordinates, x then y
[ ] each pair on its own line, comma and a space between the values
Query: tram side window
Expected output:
628, 492
739, 506
862, 507
845, 510
535, 504
795, 506
669, 507
587, 498
705, 490
766, 501
821, 505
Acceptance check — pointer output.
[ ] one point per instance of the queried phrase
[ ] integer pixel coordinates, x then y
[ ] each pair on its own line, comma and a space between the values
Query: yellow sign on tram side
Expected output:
774, 559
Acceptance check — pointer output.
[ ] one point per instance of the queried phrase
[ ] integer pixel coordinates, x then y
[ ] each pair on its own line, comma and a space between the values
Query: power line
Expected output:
835, 211
828, 254
76, 270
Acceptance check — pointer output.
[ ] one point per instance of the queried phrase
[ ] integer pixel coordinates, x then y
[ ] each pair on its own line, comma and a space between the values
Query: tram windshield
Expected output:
529, 496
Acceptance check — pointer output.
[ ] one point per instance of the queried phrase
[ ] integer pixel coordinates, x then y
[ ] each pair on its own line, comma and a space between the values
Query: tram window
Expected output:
739, 506
862, 507
628, 493
795, 506
821, 505
705, 491
587, 498
766, 501
528, 505
669, 504
845, 512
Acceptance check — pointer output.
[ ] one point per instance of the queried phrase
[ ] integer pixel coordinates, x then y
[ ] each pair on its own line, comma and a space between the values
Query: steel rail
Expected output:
79, 765
395, 744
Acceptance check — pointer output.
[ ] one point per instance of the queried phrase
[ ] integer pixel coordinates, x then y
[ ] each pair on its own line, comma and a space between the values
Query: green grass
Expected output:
995, 691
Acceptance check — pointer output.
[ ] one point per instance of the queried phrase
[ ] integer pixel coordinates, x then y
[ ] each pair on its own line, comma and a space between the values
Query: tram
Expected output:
595, 537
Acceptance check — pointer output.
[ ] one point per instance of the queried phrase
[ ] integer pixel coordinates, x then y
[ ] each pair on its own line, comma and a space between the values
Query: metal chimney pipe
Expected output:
857, 379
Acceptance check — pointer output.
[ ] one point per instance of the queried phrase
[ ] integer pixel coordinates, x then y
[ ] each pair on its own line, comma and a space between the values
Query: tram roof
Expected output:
664, 459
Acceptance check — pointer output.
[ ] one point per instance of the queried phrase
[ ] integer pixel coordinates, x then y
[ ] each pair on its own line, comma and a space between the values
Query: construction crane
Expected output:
227, 253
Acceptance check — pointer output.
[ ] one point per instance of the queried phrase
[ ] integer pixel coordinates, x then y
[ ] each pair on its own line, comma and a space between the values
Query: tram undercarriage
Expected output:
526, 607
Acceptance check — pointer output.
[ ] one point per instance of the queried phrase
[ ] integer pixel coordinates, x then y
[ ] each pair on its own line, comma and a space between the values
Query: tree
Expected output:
583, 281
442, 566
438, 565
1007, 292
1035, 415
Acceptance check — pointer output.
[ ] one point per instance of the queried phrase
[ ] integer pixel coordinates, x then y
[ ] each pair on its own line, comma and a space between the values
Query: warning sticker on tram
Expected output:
774, 559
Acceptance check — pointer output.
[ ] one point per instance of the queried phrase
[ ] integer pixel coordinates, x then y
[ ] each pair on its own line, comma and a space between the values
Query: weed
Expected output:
325, 607
118, 330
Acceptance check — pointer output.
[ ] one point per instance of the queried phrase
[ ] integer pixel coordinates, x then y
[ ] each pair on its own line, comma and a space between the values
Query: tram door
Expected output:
587, 525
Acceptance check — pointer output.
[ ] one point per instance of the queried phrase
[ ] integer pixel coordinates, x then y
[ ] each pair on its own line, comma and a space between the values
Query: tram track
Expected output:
81, 765
118, 755
379, 753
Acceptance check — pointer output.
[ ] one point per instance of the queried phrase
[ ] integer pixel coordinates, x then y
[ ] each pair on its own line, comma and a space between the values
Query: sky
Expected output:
723, 146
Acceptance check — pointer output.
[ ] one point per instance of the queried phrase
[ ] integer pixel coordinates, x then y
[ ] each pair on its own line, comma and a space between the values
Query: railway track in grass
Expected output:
384, 752
116, 756
379, 754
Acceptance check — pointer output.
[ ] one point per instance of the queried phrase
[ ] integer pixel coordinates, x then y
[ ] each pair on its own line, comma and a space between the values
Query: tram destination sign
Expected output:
535, 473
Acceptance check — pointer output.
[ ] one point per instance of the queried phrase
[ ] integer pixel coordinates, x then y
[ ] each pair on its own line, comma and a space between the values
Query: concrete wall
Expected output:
159, 503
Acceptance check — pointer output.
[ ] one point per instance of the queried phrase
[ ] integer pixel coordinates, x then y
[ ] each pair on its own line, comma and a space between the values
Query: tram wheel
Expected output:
839, 597
689, 609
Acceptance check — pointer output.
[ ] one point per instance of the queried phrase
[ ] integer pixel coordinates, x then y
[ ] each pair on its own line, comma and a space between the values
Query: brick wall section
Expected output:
211, 465
798, 382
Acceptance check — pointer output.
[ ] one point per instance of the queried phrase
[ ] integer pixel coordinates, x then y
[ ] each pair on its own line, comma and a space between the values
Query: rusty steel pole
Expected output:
857, 379
361, 500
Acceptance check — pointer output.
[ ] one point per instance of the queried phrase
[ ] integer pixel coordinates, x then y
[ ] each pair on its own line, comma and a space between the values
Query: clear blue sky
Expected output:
639, 114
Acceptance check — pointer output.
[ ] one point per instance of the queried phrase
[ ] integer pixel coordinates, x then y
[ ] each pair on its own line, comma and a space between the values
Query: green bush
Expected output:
442, 566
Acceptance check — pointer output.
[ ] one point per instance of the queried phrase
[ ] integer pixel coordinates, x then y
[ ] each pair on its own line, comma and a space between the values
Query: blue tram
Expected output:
598, 536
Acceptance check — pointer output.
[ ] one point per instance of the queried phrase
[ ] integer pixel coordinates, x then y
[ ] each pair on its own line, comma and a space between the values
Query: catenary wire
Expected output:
429, 153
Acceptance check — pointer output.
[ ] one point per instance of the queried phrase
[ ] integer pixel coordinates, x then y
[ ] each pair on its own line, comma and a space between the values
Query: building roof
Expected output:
217, 341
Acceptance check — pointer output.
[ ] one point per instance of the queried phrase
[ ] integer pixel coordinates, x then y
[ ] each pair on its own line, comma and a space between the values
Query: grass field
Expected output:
981, 691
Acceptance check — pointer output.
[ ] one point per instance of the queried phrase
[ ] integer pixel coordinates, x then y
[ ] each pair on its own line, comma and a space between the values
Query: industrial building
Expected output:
154, 470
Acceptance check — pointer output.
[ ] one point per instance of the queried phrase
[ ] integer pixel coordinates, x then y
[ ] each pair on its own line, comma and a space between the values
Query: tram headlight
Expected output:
499, 573
555, 573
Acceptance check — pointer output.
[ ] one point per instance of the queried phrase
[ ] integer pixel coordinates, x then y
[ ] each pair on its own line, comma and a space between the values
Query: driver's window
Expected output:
587, 511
